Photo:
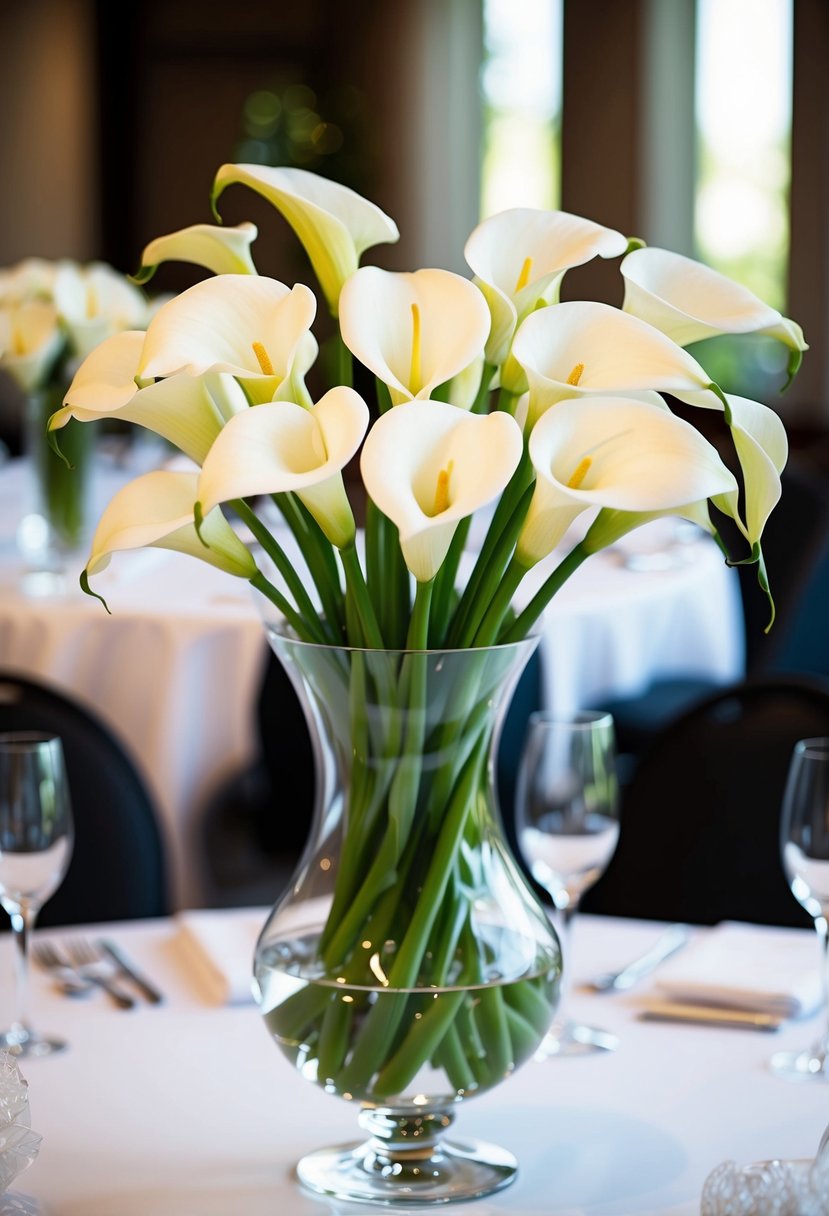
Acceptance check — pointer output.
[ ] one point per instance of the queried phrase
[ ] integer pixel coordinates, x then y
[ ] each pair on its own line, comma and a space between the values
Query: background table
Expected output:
187, 1109
175, 669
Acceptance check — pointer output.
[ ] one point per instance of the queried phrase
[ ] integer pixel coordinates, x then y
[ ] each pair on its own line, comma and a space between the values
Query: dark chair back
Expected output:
117, 871
700, 827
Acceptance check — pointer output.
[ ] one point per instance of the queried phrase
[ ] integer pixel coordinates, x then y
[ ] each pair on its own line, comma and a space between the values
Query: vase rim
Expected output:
279, 627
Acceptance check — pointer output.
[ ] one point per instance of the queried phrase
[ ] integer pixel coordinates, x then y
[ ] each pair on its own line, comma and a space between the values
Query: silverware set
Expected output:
79, 966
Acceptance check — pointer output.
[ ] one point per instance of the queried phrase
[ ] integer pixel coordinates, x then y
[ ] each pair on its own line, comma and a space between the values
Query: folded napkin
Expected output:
218, 946
740, 966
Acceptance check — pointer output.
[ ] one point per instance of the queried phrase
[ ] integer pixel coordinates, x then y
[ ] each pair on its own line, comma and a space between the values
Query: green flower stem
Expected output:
319, 557
494, 570
523, 1035
506, 522
381, 1024
492, 1020
320, 632
334, 1036
345, 362
499, 604
424, 1035
298, 623
525, 620
445, 581
451, 1058
362, 600
479, 405
527, 1000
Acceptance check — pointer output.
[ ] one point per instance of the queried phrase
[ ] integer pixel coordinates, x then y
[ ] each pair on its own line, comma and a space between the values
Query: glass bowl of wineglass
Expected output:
804, 845
567, 821
36, 839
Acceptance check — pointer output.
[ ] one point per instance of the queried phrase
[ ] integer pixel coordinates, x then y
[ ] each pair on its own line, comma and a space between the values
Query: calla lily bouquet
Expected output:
489, 390
490, 393
52, 315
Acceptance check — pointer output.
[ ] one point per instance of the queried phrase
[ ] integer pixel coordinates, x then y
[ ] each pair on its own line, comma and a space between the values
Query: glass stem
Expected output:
822, 1046
22, 919
565, 922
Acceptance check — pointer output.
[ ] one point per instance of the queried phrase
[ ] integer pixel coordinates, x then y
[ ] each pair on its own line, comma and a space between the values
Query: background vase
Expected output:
57, 525
409, 966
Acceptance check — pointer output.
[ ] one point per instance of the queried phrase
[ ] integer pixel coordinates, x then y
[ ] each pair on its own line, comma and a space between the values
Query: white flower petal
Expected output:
157, 509
335, 224
414, 331
427, 465
30, 341
222, 250
762, 449
519, 258
618, 453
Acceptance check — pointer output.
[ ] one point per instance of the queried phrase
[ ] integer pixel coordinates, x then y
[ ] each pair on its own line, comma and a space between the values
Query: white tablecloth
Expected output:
175, 668
187, 1109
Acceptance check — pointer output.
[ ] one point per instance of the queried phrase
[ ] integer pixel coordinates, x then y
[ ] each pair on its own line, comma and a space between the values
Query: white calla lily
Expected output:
222, 250
335, 224
156, 509
96, 302
519, 258
189, 411
582, 347
253, 327
427, 465
282, 447
689, 301
413, 330
613, 452
29, 279
762, 449
30, 340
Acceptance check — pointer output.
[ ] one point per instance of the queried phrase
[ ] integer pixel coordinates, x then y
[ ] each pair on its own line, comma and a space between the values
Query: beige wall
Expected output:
48, 190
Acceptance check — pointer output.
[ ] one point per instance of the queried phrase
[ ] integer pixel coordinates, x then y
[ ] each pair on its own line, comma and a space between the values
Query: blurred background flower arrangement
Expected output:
53, 313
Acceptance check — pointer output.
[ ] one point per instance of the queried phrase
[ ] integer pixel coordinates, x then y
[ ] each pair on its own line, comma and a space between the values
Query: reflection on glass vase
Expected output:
409, 966
57, 520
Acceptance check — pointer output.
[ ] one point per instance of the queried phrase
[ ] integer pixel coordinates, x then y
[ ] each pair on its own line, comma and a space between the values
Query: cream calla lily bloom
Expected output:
427, 465
29, 279
689, 301
519, 258
96, 302
335, 224
582, 347
189, 411
282, 447
30, 341
762, 449
618, 453
222, 250
414, 331
156, 509
253, 327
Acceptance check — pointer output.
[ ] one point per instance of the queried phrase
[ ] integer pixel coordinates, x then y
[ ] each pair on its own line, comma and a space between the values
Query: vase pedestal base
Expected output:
405, 1161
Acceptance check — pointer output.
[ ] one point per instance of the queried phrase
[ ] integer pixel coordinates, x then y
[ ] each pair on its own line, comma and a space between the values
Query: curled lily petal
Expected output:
30, 341
618, 453
335, 224
519, 258
689, 301
189, 411
427, 465
253, 327
582, 347
762, 449
157, 510
222, 250
280, 447
414, 331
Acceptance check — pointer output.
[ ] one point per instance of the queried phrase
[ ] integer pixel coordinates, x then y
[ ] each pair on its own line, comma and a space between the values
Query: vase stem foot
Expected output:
406, 1161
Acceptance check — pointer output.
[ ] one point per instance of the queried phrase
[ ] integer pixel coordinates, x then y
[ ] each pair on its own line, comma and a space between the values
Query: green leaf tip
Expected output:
143, 275
795, 360
214, 198
198, 521
634, 243
52, 440
87, 590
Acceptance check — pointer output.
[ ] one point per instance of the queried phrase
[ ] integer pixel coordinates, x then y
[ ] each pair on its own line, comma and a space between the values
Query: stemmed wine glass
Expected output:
567, 819
36, 838
804, 842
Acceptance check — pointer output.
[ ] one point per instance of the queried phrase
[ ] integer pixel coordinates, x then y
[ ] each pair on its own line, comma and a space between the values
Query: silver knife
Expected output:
143, 985
710, 1015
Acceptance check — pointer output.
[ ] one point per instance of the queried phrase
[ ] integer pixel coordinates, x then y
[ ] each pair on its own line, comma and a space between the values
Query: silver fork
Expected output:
67, 979
86, 963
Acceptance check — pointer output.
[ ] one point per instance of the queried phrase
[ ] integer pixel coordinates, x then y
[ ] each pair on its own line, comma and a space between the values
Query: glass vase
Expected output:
57, 523
409, 966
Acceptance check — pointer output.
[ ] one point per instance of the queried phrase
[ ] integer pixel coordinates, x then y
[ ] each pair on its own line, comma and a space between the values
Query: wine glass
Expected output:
36, 838
567, 813
804, 842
